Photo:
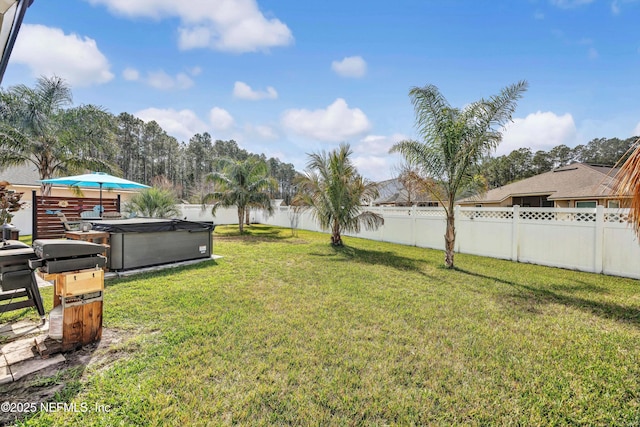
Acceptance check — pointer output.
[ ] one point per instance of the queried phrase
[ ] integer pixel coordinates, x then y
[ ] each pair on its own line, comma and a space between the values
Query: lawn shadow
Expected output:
386, 258
606, 310
255, 235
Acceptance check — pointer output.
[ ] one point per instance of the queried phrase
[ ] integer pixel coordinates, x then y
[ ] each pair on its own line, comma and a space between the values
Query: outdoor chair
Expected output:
89, 214
69, 225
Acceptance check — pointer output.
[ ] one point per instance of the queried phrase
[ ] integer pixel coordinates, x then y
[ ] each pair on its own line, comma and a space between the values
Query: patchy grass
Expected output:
288, 330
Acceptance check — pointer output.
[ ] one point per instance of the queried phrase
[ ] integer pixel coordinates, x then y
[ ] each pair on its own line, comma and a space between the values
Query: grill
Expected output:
17, 275
57, 256
18, 263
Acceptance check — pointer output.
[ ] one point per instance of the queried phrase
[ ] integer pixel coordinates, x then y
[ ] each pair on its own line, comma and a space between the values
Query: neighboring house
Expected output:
393, 193
578, 185
25, 179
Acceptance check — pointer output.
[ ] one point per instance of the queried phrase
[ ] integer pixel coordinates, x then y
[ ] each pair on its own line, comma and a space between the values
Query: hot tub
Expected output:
143, 242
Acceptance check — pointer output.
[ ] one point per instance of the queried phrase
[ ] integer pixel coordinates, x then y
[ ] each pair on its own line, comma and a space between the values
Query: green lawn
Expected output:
288, 330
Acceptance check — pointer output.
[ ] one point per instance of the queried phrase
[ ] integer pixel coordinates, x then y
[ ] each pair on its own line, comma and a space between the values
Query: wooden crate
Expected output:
81, 325
78, 283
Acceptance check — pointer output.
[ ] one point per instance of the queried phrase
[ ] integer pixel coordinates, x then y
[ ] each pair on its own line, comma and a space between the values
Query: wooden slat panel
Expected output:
46, 208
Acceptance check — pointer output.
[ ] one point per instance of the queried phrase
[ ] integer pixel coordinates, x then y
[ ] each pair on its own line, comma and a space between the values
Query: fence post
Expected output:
381, 213
599, 240
515, 233
414, 225
456, 215
34, 215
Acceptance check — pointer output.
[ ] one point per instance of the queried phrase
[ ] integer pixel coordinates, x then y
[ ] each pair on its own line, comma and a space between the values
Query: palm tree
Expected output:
628, 183
153, 203
455, 140
244, 184
37, 126
333, 189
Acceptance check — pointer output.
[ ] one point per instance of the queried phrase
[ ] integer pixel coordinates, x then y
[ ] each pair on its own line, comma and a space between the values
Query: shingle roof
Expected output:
392, 191
26, 174
575, 181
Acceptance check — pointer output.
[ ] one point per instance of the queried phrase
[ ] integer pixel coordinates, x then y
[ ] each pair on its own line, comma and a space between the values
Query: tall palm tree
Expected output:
628, 183
455, 140
333, 189
244, 184
39, 126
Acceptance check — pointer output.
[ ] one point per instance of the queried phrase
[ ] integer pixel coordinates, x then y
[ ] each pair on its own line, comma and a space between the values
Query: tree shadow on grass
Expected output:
257, 235
528, 294
386, 258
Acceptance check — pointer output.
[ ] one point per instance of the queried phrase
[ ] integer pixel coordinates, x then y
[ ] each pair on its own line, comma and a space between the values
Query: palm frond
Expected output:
627, 183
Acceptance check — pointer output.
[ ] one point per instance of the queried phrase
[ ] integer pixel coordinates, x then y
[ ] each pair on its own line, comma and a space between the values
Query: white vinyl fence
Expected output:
596, 240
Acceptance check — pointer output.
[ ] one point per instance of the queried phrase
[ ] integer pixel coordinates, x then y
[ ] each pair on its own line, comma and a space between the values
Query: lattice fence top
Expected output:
431, 212
487, 214
559, 215
620, 216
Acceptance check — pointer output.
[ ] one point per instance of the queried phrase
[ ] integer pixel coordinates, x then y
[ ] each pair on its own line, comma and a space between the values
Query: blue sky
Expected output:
288, 78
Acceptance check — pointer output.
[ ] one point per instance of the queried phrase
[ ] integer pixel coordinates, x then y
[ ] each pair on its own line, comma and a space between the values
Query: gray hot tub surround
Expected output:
143, 242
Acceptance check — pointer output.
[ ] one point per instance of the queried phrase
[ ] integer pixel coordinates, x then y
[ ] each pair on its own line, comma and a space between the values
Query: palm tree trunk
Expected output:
241, 219
449, 239
247, 211
336, 239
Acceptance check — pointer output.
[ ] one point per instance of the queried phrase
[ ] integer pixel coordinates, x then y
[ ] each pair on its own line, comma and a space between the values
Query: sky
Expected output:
288, 78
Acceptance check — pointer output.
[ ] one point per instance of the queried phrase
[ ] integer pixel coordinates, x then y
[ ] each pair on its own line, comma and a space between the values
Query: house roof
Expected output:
575, 181
26, 174
392, 191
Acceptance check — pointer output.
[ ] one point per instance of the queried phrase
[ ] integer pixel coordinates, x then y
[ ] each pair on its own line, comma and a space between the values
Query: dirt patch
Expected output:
63, 381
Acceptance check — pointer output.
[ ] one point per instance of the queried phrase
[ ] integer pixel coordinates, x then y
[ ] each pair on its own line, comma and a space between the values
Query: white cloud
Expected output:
351, 66
538, 131
181, 124
163, 81
377, 144
48, 51
569, 4
220, 119
538, 16
615, 7
636, 130
375, 168
336, 123
372, 156
242, 90
195, 71
226, 25
264, 132
131, 74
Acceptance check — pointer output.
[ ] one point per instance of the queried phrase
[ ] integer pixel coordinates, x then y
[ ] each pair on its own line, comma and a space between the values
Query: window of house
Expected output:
586, 204
613, 204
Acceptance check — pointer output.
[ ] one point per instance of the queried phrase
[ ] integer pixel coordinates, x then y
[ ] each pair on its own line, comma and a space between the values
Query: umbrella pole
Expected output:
100, 207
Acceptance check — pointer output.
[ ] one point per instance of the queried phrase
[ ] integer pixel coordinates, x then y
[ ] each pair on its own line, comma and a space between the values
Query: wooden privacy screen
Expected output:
47, 225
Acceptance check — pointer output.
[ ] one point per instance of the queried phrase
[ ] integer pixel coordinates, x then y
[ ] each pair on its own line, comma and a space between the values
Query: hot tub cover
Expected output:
149, 225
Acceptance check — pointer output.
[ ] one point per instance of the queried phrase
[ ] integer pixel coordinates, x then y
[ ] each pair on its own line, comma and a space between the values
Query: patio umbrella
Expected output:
95, 179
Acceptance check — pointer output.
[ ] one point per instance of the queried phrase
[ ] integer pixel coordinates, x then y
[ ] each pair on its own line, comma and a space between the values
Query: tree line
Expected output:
524, 163
41, 126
